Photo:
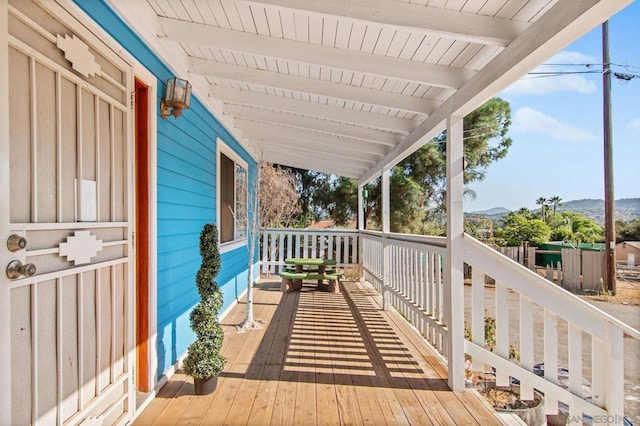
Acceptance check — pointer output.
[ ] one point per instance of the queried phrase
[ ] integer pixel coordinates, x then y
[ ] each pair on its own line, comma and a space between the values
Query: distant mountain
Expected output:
500, 211
626, 209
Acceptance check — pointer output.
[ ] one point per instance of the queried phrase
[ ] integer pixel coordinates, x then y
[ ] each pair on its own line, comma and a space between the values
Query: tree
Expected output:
517, 229
479, 227
340, 200
524, 212
585, 229
311, 186
278, 197
561, 228
628, 231
572, 226
542, 202
555, 201
418, 183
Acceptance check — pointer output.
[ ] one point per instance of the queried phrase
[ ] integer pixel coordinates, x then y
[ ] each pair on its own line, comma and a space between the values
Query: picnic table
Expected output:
305, 268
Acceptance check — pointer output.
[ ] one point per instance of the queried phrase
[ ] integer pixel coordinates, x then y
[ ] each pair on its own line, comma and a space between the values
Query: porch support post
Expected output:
5, 292
360, 208
361, 219
454, 276
386, 229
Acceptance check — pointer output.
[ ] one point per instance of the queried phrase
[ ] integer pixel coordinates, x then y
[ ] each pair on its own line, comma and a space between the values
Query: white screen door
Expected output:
69, 199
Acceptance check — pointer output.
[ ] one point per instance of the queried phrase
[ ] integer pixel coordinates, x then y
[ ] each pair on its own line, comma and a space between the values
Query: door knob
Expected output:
15, 269
16, 242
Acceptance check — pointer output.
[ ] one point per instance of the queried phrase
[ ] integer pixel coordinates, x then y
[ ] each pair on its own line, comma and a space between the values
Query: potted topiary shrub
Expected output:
204, 362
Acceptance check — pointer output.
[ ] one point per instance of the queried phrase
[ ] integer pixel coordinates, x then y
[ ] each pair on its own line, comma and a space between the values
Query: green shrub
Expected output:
205, 278
204, 359
204, 317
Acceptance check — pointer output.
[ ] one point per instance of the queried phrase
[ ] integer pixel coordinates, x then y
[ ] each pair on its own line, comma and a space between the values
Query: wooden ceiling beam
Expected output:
259, 130
287, 150
332, 152
314, 54
308, 163
313, 86
379, 121
300, 121
441, 22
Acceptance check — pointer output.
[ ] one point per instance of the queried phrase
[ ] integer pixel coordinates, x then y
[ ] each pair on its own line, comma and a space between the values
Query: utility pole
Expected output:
609, 203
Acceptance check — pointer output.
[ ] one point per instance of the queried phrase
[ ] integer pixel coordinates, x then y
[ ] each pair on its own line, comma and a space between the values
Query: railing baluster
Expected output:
279, 255
421, 284
439, 283
477, 310
265, 244
614, 387
550, 358
526, 344
412, 283
598, 375
356, 250
303, 247
436, 295
502, 330
290, 243
575, 367
272, 256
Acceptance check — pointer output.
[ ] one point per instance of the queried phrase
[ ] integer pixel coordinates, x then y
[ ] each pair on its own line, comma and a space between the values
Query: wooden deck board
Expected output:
322, 359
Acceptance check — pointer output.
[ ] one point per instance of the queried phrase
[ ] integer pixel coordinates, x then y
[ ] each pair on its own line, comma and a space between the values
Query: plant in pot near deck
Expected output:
204, 362
503, 398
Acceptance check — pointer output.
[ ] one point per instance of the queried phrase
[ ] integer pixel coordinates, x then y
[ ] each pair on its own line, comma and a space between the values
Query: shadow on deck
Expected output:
322, 358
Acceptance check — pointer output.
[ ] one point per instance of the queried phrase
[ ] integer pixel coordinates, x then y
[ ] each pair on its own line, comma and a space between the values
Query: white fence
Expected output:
278, 244
411, 267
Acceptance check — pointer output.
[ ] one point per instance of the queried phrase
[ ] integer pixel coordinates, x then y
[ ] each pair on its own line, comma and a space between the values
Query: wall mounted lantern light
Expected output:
176, 98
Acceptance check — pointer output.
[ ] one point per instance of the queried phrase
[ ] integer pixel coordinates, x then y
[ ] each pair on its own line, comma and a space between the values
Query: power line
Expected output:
565, 72
589, 65
617, 75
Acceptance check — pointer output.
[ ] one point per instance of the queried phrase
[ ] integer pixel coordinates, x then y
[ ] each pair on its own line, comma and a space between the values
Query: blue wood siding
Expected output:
186, 154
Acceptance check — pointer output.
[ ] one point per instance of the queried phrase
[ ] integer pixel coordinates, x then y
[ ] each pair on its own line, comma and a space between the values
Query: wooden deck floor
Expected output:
321, 359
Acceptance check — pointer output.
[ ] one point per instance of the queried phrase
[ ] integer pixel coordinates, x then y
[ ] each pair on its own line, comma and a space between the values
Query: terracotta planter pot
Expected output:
205, 386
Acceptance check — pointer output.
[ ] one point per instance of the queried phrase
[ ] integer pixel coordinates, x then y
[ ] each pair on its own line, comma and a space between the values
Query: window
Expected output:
232, 196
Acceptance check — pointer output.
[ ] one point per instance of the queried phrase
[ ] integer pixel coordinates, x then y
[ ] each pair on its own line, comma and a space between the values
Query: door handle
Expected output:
15, 269
16, 242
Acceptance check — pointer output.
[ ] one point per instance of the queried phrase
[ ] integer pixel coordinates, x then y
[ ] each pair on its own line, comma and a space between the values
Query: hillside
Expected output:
626, 209
493, 212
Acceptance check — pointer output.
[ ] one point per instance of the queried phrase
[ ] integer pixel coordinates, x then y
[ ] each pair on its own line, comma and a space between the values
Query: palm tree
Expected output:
524, 211
555, 200
542, 202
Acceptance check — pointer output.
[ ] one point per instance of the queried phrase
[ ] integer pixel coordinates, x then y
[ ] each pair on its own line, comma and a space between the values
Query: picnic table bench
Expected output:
302, 269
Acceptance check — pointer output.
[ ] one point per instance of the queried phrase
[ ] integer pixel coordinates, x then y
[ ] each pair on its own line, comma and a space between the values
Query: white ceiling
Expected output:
353, 86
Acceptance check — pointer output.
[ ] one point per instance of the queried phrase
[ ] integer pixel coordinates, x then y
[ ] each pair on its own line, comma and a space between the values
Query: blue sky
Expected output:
557, 126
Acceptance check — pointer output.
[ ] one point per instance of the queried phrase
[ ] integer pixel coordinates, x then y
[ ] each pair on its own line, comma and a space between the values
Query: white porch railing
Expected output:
278, 244
544, 322
572, 330
414, 279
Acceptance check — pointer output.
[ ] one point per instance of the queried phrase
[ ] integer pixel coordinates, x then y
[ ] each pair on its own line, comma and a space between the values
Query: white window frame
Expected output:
223, 148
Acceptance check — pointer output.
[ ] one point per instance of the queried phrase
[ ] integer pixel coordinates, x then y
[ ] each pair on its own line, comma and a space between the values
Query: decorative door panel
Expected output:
70, 173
